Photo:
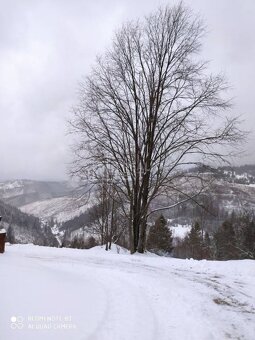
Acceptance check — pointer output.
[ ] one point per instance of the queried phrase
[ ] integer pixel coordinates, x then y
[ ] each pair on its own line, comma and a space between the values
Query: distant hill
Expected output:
60, 205
24, 228
244, 174
50, 203
58, 200
22, 192
60, 209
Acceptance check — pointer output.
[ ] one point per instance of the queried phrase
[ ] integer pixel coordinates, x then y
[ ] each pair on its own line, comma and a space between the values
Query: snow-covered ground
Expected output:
180, 231
60, 294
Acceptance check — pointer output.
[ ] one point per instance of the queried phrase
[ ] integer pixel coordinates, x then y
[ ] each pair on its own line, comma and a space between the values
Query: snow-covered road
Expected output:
60, 294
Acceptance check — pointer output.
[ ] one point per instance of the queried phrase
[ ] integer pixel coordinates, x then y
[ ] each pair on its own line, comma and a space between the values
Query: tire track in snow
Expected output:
128, 315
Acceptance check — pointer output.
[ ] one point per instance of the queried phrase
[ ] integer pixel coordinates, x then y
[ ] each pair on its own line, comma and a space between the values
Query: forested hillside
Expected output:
23, 228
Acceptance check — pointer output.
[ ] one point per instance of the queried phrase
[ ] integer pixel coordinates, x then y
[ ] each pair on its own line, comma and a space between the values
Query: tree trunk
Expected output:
131, 234
142, 237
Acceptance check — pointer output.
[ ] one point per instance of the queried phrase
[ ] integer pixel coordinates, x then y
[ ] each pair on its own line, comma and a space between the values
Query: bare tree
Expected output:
148, 109
108, 222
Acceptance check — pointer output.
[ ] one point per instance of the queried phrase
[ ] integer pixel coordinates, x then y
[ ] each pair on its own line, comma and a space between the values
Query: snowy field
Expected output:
61, 208
63, 294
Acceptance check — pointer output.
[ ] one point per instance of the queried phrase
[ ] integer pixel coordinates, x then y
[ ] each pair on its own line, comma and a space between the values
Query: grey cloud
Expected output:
46, 46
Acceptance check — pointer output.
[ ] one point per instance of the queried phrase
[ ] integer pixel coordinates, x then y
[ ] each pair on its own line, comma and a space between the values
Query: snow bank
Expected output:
115, 249
101, 295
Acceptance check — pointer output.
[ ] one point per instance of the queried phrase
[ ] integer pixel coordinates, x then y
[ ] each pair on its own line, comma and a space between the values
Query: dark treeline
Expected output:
215, 233
233, 239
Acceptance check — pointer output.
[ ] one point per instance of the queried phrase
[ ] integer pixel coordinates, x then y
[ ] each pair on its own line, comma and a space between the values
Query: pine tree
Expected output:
195, 242
10, 237
225, 242
249, 239
160, 237
244, 227
91, 242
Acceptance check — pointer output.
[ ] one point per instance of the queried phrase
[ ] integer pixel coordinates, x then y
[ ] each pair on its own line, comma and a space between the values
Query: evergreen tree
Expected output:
249, 239
225, 242
160, 237
91, 242
10, 237
195, 242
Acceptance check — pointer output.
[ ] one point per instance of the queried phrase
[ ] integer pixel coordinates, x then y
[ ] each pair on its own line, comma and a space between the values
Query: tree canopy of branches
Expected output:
106, 214
148, 108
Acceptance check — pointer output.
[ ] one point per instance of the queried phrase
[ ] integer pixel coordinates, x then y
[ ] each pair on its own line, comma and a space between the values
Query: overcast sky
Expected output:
47, 45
